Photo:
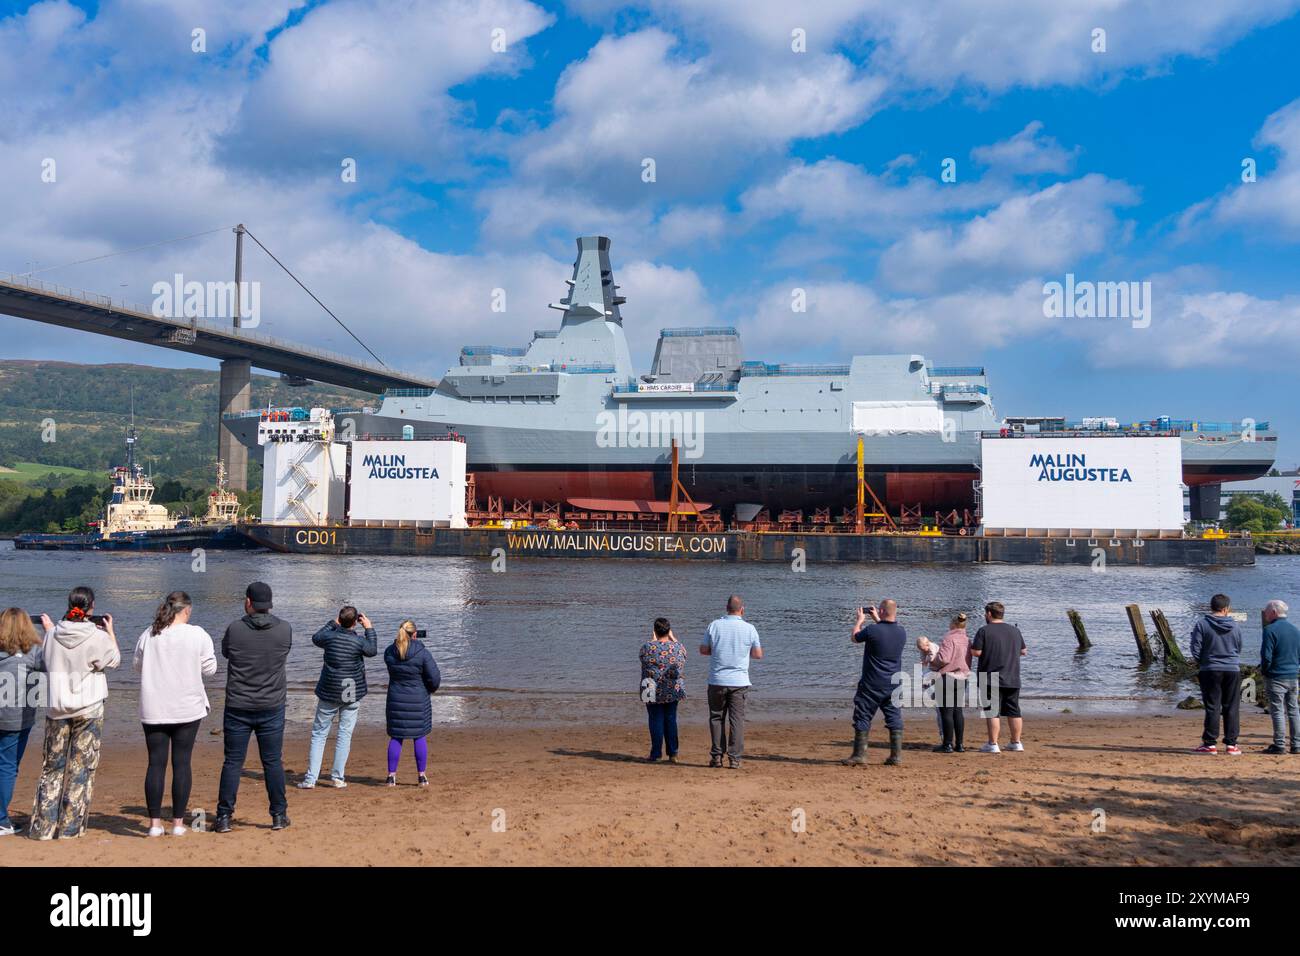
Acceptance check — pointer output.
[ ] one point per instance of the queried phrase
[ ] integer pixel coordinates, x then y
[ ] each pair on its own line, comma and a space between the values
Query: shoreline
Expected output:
579, 794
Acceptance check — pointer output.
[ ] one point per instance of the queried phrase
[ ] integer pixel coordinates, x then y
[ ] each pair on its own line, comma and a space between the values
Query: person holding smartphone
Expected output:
78, 652
339, 691
882, 657
412, 677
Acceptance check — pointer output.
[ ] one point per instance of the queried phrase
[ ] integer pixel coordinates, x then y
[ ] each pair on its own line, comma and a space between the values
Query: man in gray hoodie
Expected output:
255, 648
1216, 647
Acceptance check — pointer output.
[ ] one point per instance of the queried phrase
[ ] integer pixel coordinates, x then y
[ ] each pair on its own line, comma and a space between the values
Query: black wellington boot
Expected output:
895, 749
859, 755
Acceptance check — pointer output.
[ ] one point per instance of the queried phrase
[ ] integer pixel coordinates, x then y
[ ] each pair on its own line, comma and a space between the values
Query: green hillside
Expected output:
86, 409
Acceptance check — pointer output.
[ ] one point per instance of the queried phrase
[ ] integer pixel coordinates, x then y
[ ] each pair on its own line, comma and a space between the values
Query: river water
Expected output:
557, 640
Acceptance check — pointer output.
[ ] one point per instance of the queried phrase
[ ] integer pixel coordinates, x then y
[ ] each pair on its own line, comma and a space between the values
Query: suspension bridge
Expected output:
238, 349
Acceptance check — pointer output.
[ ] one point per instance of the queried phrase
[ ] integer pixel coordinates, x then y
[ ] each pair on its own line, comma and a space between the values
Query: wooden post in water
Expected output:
1172, 652
1139, 633
1080, 632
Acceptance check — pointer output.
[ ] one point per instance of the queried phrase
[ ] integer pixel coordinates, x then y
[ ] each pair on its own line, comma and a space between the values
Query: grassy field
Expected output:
25, 471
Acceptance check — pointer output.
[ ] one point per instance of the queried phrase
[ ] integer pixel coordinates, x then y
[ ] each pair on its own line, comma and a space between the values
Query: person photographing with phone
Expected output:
412, 677
339, 691
883, 641
78, 653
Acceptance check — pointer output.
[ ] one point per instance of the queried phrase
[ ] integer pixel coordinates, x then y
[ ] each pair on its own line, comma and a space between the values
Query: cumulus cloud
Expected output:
636, 97
1027, 152
1272, 202
994, 44
1197, 329
373, 77
854, 318
1043, 232
831, 192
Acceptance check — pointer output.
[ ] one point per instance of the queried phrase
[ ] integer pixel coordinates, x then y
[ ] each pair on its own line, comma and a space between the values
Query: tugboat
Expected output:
132, 522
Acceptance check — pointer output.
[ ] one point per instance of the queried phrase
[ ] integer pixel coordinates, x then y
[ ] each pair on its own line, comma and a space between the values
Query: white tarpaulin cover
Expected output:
897, 418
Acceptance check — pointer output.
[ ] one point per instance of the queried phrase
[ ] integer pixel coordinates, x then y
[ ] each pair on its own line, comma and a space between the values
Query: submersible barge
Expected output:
749, 546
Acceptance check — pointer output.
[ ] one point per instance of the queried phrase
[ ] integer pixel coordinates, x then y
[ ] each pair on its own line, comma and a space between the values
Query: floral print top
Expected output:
663, 669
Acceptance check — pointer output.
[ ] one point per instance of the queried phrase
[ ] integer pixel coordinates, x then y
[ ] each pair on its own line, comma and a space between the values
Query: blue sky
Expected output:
775, 170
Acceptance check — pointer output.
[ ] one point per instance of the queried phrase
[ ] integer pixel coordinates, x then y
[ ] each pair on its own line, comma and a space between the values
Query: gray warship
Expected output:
568, 418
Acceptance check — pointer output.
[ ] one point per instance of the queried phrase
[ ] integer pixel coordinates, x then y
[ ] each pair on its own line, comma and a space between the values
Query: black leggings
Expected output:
179, 739
952, 694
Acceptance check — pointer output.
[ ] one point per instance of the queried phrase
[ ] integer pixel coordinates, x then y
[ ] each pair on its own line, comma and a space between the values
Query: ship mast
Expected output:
130, 439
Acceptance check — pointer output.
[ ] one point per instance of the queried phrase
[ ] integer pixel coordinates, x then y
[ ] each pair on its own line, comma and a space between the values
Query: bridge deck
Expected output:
28, 298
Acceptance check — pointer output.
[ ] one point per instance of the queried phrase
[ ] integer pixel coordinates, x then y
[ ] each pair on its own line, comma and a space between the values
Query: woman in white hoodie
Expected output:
172, 657
78, 651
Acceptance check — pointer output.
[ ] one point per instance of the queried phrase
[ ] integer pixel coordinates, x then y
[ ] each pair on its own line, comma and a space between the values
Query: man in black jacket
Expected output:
255, 648
339, 691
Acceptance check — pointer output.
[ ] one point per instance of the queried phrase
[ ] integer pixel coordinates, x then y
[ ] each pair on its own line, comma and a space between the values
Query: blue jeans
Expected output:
320, 731
12, 745
239, 726
663, 727
1284, 708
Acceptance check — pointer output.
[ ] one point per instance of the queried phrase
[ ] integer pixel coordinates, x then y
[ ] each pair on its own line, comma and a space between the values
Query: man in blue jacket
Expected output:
1279, 660
339, 691
1216, 647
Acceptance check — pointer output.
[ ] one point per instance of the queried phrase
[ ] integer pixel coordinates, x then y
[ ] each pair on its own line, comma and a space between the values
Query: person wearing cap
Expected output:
255, 648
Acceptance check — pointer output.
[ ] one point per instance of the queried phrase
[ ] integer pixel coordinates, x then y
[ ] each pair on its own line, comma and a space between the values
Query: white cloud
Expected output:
995, 44
849, 318
372, 77
634, 98
1197, 329
1273, 200
834, 193
1027, 152
1044, 232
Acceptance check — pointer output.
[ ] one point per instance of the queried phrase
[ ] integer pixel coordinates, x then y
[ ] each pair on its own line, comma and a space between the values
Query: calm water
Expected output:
558, 640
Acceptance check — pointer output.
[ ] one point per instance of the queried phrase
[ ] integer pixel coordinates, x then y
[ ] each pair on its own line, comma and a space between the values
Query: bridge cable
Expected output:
122, 252
313, 295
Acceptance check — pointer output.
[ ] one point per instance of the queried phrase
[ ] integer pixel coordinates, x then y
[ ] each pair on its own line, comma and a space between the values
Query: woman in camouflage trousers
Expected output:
78, 652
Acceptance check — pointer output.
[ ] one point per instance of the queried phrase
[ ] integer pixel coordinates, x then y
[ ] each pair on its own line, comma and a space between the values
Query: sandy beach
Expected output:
579, 795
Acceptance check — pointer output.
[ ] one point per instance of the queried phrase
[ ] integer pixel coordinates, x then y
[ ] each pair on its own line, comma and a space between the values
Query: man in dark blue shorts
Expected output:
997, 648
882, 658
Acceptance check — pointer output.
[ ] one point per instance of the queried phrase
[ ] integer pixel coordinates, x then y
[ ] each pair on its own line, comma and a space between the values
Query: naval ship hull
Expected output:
809, 470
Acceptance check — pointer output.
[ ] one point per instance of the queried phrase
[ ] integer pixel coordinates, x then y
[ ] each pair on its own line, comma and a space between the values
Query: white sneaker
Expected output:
990, 749
304, 785
1015, 745
7, 830
155, 831
338, 783
179, 831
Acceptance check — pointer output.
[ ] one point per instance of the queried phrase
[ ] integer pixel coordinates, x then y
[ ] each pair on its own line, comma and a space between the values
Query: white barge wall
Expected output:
405, 482
303, 482
1120, 482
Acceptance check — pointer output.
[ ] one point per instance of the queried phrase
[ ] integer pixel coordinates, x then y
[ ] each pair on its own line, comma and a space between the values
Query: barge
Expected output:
750, 546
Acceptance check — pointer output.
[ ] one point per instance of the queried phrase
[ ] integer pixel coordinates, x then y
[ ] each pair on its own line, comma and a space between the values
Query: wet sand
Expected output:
578, 795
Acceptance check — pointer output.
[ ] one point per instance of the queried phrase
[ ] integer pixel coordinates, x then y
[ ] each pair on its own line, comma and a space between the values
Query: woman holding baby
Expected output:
952, 663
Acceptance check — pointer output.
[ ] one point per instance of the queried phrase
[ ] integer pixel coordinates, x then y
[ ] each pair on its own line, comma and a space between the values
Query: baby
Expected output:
929, 650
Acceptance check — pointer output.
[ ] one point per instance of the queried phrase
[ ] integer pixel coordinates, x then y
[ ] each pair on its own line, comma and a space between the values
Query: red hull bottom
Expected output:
932, 490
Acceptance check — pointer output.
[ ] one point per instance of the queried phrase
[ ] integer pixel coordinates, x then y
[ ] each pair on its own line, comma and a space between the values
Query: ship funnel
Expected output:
592, 293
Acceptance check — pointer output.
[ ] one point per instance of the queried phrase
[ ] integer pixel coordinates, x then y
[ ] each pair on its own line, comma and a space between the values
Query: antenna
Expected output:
130, 438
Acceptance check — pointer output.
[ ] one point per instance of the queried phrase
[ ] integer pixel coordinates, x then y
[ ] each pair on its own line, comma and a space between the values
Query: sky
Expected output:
916, 174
